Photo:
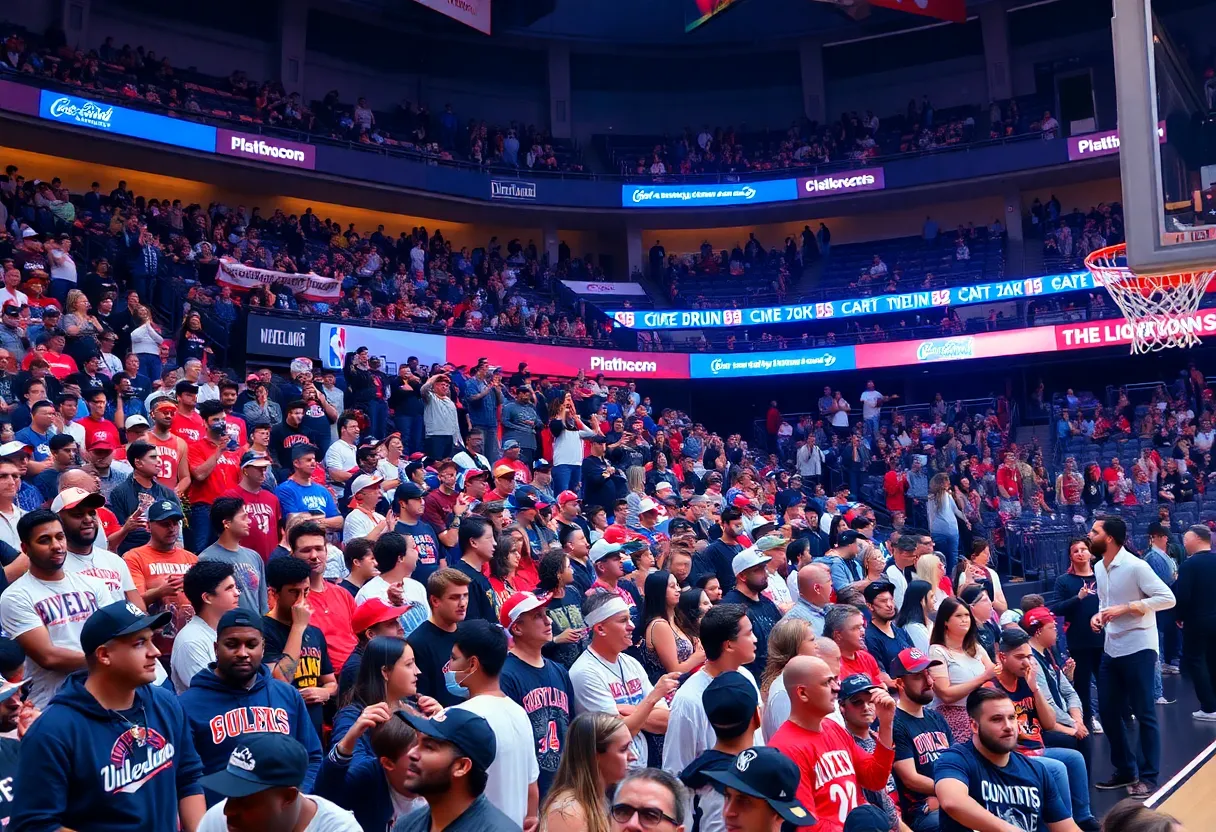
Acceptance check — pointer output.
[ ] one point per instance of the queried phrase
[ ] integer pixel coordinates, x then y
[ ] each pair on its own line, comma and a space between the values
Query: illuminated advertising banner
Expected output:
1102, 143
110, 118
567, 361
591, 287
711, 195
855, 307
785, 362
697, 12
392, 346
952, 10
956, 348
1117, 331
845, 182
268, 149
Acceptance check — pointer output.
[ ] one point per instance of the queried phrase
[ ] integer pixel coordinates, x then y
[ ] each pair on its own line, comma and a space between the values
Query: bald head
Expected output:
815, 584
804, 671
76, 478
828, 650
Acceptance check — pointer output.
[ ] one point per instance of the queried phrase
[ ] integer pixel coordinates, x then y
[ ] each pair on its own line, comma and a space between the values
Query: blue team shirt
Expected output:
1021, 793
547, 697
294, 497
40, 442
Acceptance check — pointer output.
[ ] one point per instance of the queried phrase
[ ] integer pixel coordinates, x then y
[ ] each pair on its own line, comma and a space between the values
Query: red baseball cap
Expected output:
372, 612
619, 534
910, 660
105, 443
1036, 619
742, 501
567, 497
517, 605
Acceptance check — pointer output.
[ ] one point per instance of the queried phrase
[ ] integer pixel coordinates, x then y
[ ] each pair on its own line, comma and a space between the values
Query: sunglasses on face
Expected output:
623, 812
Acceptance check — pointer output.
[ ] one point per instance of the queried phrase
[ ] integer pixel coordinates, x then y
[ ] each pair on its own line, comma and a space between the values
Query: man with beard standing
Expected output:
238, 695
77, 510
1129, 596
751, 580
984, 785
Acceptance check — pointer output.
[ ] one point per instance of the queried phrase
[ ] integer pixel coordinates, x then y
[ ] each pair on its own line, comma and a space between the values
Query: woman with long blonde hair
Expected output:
595, 759
791, 637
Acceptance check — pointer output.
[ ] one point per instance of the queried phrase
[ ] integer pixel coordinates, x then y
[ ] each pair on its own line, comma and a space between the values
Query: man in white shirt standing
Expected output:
607, 680
210, 587
871, 406
729, 644
1129, 596
840, 414
77, 510
477, 659
45, 609
340, 459
396, 556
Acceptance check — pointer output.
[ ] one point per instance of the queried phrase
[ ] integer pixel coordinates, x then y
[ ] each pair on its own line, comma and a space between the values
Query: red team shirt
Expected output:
833, 770
224, 476
863, 663
265, 518
191, 428
95, 429
170, 460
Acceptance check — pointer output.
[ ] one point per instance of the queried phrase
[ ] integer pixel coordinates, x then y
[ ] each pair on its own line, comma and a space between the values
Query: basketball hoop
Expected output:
1158, 306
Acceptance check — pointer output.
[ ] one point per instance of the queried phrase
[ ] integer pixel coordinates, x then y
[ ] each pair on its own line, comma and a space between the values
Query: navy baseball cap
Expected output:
303, 450
164, 510
407, 491
260, 762
470, 733
855, 684
239, 618
867, 818
730, 702
769, 775
121, 618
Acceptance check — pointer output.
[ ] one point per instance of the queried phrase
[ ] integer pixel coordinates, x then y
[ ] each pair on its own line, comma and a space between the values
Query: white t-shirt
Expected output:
871, 403
600, 686
389, 471
330, 817
840, 419
107, 566
340, 457
63, 267
358, 524
13, 297
76, 431
415, 596
193, 650
779, 589
62, 607
515, 766
8, 527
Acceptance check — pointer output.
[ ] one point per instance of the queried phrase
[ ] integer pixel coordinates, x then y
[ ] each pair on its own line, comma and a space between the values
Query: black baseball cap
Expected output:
855, 684
239, 617
867, 818
730, 702
121, 618
260, 762
303, 450
769, 775
848, 537
164, 510
470, 733
876, 588
185, 387
407, 491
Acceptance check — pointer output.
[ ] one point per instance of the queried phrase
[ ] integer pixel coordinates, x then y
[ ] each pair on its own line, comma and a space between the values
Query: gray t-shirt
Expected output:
249, 572
481, 816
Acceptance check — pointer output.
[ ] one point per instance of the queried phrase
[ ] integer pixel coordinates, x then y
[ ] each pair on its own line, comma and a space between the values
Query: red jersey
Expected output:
833, 770
1010, 479
224, 476
61, 365
894, 483
265, 518
436, 507
171, 460
332, 608
95, 429
523, 474
863, 663
191, 428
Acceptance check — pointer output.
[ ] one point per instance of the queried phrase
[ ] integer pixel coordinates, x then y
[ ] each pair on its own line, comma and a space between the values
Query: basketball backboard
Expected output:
1167, 147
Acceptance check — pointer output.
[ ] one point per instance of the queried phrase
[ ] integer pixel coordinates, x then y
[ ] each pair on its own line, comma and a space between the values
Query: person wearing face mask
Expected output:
215, 467
448, 596
478, 654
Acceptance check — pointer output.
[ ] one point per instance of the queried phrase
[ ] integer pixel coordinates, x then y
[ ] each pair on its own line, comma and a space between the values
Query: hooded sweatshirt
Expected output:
219, 714
357, 782
85, 767
705, 803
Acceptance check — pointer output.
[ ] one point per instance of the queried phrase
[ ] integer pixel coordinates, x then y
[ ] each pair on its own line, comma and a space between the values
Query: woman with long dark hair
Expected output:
964, 664
1093, 490
665, 647
595, 758
191, 341
914, 615
694, 603
1077, 591
837, 525
973, 568
564, 608
504, 563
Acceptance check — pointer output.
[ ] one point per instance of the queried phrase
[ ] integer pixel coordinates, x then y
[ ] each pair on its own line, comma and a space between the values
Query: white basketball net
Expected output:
1160, 308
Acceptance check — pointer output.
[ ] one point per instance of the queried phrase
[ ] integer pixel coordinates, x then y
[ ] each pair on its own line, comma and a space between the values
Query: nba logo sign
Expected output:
335, 354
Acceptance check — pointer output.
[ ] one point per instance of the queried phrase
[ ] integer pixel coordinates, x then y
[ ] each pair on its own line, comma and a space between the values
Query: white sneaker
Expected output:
1097, 726
1161, 700
1204, 716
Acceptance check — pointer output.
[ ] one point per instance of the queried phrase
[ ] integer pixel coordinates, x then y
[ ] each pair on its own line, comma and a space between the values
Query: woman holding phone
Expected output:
568, 431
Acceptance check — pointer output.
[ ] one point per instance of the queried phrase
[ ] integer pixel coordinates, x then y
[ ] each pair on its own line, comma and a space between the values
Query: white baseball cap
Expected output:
16, 446
663, 485
136, 421
602, 549
365, 481
647, 504
748, 558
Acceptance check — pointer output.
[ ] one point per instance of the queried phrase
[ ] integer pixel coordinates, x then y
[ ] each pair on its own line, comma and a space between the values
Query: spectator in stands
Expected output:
964, 664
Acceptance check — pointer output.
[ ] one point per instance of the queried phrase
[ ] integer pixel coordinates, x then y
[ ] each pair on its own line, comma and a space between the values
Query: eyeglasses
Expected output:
623, 813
